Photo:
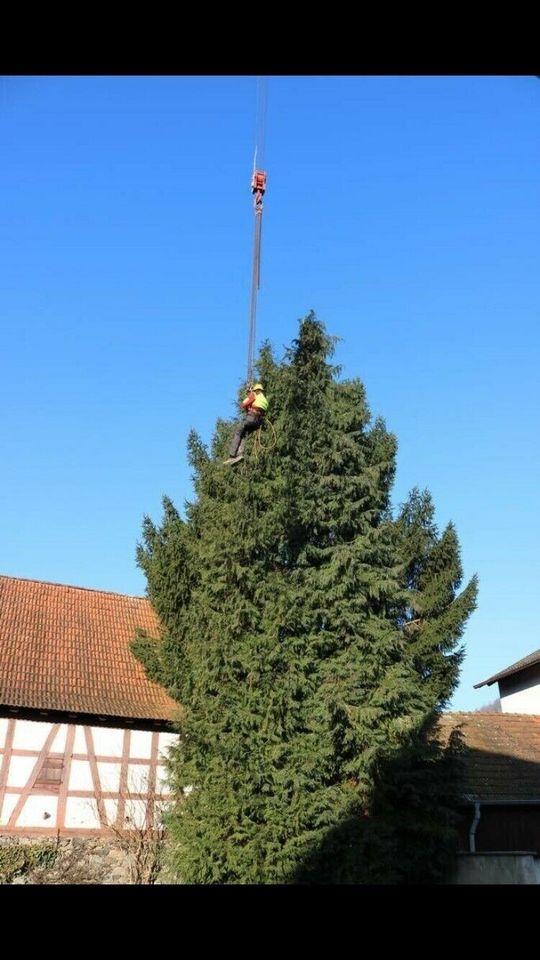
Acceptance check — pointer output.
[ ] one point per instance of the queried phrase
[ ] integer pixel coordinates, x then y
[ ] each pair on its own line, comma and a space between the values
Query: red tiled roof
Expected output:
529, 661
67, 648
501, 755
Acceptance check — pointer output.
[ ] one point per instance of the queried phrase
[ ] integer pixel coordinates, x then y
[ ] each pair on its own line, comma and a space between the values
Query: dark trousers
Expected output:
249, 425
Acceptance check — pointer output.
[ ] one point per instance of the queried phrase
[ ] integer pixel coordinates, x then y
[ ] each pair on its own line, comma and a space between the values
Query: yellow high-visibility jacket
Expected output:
255, 403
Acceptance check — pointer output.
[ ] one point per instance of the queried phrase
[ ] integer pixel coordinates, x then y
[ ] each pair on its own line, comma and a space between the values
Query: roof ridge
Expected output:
72, 586
494, 713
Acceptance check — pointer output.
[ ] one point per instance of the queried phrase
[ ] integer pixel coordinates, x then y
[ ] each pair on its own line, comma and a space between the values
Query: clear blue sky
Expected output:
403, 210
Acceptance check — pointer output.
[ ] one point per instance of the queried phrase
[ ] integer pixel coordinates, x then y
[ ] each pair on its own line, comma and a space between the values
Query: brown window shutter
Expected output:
51, 774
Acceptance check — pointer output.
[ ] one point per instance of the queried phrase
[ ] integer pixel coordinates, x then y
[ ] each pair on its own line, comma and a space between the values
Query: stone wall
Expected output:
81, 860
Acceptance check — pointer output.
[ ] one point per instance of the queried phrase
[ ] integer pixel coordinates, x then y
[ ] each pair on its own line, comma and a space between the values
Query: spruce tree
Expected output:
422, 789
286, 596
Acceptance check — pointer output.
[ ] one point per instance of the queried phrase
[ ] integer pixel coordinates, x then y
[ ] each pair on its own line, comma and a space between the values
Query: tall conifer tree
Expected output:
286, 597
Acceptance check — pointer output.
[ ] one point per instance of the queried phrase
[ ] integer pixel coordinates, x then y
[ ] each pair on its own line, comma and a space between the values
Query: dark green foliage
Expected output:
285, 598
435, 617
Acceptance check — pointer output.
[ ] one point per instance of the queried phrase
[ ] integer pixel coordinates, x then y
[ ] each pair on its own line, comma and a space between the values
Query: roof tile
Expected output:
68, 648
501, 755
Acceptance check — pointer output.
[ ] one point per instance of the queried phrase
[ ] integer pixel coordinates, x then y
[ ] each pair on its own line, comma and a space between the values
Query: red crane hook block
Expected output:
258, 185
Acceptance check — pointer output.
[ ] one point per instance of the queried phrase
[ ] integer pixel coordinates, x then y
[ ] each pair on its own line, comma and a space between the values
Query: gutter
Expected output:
474, 824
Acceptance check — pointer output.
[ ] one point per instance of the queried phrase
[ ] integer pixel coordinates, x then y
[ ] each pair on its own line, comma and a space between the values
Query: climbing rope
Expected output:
258, 445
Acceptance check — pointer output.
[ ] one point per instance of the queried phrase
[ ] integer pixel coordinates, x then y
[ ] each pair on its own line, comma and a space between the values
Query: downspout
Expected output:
474, 824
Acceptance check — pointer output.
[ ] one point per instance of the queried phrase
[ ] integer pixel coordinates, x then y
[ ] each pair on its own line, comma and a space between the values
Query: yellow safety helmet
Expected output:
257, 386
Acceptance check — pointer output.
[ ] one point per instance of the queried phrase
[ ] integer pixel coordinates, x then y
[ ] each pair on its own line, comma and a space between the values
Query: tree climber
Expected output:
255, 406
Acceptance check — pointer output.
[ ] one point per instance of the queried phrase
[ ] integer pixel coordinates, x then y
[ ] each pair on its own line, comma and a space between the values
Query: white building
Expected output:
83, 732
519, 685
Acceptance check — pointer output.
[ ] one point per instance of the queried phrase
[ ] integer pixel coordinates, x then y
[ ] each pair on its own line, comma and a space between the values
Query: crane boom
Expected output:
258, 188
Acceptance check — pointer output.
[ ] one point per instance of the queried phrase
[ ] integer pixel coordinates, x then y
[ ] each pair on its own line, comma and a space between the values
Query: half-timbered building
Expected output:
83, 731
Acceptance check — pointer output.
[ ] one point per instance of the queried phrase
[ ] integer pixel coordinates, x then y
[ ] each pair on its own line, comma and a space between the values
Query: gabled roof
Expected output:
67, 649
501, 755
515, 668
